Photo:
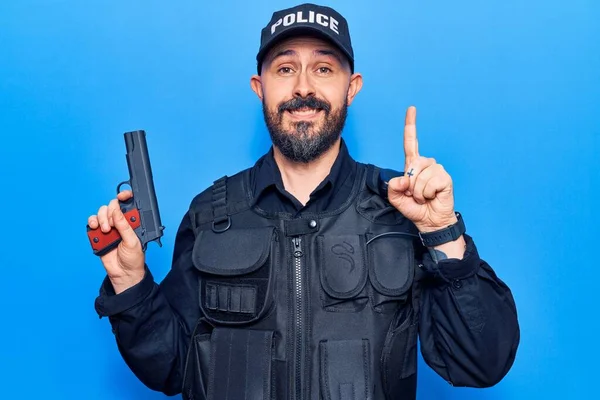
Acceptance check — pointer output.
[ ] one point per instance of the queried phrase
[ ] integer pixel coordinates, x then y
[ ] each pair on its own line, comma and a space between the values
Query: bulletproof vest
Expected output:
317, 307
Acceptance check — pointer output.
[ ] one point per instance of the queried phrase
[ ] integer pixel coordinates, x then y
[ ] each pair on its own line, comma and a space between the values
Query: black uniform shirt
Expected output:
468, 327
270, 195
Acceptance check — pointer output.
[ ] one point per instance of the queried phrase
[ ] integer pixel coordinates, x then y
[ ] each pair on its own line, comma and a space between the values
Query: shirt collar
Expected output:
267, 175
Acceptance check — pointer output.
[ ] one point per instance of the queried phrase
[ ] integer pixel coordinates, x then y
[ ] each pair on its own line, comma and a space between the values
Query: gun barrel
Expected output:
142, 185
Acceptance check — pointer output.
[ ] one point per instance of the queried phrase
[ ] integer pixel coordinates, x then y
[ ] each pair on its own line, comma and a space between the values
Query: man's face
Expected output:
305, 86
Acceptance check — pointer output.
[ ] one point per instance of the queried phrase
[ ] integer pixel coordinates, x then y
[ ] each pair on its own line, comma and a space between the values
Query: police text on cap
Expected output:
313, 17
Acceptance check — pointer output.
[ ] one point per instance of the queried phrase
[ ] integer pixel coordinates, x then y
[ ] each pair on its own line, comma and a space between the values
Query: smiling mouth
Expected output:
304, 112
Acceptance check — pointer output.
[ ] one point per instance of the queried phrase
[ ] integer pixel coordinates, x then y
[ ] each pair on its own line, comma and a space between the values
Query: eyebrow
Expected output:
282, 53
291, 52
332, 53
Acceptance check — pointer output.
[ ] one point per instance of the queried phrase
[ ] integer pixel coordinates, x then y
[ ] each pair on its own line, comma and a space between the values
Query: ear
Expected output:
355, 86
256, 85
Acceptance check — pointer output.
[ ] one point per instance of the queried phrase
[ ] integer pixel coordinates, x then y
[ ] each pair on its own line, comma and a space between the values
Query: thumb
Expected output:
399, 184
127, 233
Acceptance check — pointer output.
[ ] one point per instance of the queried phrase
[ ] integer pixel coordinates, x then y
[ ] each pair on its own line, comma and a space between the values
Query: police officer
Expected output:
311, 275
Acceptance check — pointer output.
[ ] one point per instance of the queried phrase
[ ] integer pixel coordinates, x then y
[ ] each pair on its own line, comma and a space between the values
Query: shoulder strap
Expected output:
372, 177
378, 178
228, 197
221, 221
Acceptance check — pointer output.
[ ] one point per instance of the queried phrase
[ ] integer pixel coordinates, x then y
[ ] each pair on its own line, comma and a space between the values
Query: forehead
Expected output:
302, 44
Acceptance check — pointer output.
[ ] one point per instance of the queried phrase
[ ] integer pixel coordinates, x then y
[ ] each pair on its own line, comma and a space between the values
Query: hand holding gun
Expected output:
135, 217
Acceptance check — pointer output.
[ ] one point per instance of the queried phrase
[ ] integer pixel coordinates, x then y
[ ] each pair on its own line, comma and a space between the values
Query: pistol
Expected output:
141, 210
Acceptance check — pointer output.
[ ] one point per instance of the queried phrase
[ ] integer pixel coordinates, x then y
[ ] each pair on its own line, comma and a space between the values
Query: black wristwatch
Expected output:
449, 234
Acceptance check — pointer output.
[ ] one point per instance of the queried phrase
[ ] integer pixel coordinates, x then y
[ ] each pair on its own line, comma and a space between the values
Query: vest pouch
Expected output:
343, 272
195, 378
235, 274
345, 370
391, 264
399, 355
231, 364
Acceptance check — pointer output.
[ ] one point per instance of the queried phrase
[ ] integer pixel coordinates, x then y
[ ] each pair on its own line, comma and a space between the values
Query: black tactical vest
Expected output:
318, 307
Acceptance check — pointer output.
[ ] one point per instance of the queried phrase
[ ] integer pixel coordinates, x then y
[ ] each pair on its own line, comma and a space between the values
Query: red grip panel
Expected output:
100, 240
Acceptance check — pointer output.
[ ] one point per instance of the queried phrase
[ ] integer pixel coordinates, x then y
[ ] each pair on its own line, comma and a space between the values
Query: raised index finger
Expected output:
411, 145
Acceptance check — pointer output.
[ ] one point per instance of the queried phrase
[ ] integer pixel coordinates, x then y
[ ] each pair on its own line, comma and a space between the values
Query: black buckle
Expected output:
220, 220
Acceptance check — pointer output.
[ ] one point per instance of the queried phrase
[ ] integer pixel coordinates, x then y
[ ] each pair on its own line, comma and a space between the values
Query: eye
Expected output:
324, 70
285, 70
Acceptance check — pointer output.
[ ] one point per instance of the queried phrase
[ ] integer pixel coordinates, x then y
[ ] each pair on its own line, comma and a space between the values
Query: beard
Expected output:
305, 142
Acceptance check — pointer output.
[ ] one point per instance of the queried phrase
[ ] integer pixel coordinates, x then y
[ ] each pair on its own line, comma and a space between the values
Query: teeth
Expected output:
305, 111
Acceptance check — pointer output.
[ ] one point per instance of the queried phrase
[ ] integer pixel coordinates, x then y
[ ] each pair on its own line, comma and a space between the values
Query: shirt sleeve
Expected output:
468, 325
109, 304
152, 322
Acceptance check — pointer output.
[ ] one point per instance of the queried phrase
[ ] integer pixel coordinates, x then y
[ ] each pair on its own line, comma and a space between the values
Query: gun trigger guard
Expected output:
121, 184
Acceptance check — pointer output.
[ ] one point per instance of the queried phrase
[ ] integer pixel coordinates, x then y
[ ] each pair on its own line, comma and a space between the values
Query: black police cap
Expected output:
306, 19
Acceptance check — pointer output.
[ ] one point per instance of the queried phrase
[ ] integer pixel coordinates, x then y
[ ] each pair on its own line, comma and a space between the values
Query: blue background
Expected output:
508, 99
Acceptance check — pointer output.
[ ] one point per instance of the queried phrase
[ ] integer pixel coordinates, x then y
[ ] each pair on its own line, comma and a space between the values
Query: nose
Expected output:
304, 85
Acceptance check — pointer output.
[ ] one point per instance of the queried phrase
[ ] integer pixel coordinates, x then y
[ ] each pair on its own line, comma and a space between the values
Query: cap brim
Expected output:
301, 31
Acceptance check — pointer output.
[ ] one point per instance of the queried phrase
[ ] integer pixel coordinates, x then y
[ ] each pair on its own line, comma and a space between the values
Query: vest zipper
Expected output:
298, 253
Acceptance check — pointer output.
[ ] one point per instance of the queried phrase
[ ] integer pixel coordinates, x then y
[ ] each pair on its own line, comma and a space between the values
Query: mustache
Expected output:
304, 102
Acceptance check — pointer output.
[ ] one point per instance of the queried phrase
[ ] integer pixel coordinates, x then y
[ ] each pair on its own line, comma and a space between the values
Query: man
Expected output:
311, 275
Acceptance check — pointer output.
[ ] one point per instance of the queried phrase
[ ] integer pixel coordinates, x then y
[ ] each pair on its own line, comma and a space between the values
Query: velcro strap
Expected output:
219, 200
240, 366
345, 366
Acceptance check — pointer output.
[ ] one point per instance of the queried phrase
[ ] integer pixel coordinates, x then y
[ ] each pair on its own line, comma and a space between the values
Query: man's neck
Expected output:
301, 179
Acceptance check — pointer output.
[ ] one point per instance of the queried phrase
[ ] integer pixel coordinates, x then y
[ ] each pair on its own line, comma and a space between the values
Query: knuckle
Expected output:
126, 227
435, 171
444, 175
126, 224
113, 205
102, 211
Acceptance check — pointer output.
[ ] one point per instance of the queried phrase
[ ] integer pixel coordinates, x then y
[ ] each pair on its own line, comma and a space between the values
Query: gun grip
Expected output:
102, 242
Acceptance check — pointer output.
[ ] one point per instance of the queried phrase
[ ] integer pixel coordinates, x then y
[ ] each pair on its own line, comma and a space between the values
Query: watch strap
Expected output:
448, 234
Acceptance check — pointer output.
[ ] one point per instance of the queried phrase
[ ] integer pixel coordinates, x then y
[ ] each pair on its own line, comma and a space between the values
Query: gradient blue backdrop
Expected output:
508, 98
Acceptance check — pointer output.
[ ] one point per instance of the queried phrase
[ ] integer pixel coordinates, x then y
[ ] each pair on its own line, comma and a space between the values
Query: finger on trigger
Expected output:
125, 195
